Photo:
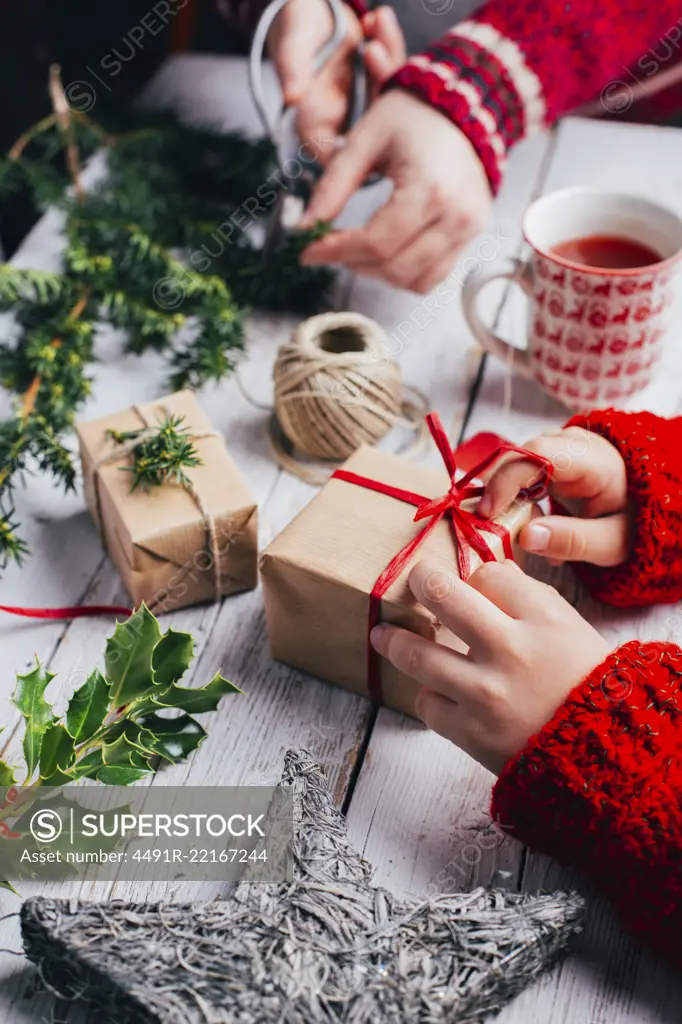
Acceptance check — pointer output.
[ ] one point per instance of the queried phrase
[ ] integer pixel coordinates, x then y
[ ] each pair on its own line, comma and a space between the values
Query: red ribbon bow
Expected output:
467, 527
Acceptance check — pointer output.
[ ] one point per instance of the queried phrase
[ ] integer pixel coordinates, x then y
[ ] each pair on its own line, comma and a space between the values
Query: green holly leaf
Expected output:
133, 732
57, 751
117, 763
121, 775
172, 657
128, 657
174, 739
28, 698
87, 767
124, 762
8, 885
88, 707
196, 701
60, 778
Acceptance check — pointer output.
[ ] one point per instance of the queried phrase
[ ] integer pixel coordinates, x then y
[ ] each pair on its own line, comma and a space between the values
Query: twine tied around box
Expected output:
467, 527
127, 448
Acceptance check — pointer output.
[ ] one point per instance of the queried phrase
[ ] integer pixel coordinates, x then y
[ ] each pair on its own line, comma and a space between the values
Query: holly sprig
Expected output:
125, 721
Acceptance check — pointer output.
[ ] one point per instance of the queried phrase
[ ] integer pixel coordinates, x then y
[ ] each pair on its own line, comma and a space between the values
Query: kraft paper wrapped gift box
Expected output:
159, 539
318, 573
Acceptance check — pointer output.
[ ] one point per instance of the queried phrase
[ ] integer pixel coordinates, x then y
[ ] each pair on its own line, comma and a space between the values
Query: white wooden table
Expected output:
416, 806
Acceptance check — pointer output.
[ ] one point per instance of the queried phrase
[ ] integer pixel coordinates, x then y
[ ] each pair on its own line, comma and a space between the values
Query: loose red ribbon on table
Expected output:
77, 611
467, 527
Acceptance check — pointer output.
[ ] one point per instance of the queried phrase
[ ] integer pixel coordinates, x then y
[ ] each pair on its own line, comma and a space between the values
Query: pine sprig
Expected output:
31, 286
11, 544
160, 457
170, 189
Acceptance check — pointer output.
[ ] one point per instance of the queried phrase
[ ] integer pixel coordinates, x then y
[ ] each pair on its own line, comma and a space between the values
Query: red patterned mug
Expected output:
595, 334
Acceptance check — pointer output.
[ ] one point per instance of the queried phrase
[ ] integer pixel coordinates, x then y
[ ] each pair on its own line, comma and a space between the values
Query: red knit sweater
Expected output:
600, 787
518, 65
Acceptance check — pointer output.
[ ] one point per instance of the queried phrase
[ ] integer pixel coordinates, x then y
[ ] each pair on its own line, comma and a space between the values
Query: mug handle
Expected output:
513, 270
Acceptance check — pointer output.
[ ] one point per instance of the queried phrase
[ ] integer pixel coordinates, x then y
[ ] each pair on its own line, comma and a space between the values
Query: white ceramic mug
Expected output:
595, 334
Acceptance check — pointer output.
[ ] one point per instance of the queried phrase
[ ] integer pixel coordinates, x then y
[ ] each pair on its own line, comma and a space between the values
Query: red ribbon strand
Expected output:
73, 612
466, 526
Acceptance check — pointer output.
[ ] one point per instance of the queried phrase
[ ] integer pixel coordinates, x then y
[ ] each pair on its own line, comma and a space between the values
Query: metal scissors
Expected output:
298, 169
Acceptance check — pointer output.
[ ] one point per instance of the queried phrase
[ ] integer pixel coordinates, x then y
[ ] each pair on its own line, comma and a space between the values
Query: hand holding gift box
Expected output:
343, 561
174, 545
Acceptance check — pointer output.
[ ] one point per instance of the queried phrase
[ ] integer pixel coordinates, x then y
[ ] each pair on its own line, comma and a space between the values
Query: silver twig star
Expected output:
327, 947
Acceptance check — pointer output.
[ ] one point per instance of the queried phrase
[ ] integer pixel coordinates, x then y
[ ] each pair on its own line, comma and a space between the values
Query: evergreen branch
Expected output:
37, 287
211, 354
11, 545
278, 283
62, 113
29, 135
102, 134
169, 188
54, 367
13, 442
31, 394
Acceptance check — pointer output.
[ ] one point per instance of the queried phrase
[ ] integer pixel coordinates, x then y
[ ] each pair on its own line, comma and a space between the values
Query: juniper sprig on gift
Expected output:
161, 455
120, 725
168, 193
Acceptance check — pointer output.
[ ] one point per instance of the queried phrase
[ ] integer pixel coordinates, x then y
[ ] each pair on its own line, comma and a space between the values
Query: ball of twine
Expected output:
337, 387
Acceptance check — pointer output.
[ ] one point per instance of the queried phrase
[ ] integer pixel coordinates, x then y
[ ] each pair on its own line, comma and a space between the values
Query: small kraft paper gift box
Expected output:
173, 545
342, 564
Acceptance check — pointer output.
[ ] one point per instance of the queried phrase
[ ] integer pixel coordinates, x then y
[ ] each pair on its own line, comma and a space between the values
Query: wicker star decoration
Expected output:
327, 947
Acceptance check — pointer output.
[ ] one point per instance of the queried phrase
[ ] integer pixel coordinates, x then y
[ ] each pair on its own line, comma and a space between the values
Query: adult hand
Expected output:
589, 479
300, 30
528, 648
441, 198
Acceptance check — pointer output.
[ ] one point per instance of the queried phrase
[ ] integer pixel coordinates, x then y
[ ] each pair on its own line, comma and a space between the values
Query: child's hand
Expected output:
298, 33
589, 479
528, 648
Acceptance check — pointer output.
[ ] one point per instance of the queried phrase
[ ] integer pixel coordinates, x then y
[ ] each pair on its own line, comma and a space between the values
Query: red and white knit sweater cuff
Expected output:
481, 81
